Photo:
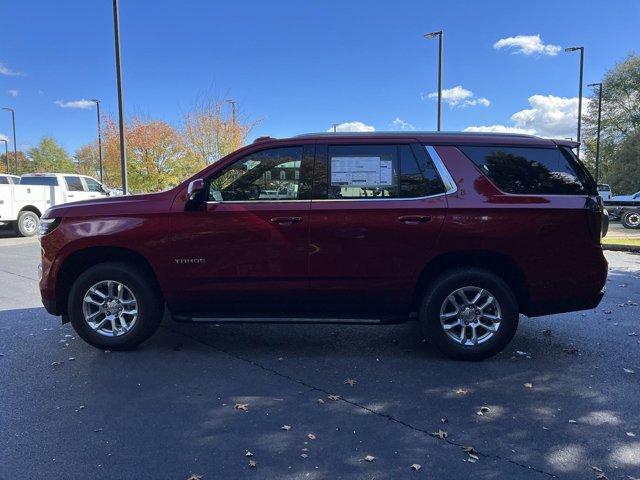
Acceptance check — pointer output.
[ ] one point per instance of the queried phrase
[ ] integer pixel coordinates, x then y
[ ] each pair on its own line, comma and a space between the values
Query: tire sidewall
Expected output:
447, 284
20, 223
625, 221
149, 309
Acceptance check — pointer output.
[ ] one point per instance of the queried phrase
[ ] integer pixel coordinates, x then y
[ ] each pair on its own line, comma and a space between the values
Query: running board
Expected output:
289, 320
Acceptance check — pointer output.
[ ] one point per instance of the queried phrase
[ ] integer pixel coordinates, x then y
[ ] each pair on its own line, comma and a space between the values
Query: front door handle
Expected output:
286, 220
414, 219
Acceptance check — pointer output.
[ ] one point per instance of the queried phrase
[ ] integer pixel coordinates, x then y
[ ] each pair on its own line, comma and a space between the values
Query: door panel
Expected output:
241, 257
365, 257
367, 252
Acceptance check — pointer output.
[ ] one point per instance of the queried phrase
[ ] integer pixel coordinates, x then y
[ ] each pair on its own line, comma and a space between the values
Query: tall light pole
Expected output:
6, 153
440, 35
123, 147
97, 102
15, 148
335, 128
581, 49
599, 85
233, 110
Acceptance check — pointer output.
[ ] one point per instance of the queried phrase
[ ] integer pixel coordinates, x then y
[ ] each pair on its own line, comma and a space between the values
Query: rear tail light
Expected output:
595, 208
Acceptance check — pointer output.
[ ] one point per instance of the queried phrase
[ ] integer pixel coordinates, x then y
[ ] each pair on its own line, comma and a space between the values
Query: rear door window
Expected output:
370, 172
530, 170
92, 185
4, 180
74, 184
48, 181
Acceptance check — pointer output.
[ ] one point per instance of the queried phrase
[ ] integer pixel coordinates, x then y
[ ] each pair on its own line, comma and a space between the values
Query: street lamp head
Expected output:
7, 109
573, 49
94, 100
433, 34
594, 84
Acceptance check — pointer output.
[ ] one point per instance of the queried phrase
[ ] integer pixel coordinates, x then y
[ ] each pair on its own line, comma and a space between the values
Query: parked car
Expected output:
461, 232
605, 191
6, 179
22, 205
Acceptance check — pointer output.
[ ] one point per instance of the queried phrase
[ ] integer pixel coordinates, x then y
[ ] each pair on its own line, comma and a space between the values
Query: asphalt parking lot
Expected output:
562, 401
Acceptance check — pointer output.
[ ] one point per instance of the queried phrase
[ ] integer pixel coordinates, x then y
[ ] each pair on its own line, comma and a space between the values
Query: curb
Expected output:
621, 248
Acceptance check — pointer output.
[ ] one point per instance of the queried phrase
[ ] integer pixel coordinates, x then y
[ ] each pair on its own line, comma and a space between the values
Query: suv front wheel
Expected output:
469, 314
113, 306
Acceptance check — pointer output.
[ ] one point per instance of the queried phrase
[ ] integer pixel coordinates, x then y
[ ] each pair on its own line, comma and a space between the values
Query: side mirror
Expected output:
195, 194
195, 186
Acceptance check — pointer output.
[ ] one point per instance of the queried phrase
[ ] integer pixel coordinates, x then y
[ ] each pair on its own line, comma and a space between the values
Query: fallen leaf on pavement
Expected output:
572, 421
460, 391
483, 410
369, 458
320, 401
471, 453
333, 397
528, 385
444, 419
311, 436
55, 364
285, 427
416, 467
630, 434
350, 381
252, 463
248, 454
628, 370
441, 434
195, 476
242, 406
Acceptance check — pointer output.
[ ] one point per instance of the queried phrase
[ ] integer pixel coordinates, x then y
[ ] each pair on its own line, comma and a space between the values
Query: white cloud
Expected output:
4, 137
400, 124
13, 93
498, 129
549, 116
83, 104
353, 127
527, 45
459, 97
4, 70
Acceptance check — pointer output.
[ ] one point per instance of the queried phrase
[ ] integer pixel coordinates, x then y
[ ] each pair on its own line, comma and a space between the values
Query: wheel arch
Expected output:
32, 209
79, 261
500, 264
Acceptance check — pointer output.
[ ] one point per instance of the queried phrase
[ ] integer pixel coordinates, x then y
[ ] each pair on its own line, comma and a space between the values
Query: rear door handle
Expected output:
414, 219
286, 220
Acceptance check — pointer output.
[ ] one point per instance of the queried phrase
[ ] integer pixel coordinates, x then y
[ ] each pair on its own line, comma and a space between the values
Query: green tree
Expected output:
48, 156
620, 130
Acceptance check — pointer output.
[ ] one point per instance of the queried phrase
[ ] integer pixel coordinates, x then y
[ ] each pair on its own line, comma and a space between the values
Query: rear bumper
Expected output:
563, 305
50, 305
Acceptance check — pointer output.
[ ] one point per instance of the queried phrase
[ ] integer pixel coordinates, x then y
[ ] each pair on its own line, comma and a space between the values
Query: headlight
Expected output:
47, 225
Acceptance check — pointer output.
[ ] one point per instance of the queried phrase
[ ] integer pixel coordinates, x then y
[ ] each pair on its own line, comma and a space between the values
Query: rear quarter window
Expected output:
530, 170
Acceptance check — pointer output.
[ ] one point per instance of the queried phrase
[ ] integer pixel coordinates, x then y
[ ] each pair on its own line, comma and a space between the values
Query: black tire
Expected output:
27, 224
631, 219
150, 307
450, 282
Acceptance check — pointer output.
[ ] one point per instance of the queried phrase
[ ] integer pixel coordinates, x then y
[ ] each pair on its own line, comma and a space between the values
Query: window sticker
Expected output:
361, 172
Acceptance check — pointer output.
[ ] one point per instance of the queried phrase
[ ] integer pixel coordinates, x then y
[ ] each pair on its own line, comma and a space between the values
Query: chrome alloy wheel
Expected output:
29, 224
633, 219
470, 315
110, 308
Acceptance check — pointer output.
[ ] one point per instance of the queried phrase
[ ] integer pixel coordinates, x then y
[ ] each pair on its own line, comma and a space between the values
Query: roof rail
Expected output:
413, 133
265, 138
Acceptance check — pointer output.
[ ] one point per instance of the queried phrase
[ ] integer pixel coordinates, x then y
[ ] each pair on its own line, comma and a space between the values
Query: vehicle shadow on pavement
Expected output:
180, 389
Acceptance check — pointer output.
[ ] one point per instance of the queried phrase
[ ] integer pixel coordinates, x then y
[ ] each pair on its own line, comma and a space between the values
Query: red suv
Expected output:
461, 232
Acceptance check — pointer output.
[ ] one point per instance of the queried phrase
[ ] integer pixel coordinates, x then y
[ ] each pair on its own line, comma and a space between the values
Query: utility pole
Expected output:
581, 49
97, 102
233, 110
6, 153
599, 85
123, 147
15, 147
440, 35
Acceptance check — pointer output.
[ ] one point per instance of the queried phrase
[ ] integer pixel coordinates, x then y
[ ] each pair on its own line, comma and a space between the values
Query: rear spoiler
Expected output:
566, 143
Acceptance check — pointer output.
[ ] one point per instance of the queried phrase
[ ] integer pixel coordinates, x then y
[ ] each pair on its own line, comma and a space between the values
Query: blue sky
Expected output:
301, 66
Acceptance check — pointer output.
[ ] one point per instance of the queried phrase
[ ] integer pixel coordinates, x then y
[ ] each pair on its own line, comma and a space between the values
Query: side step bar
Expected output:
290, 320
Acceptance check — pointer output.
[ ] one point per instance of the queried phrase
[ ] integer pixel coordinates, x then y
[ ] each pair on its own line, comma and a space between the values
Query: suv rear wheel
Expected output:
113, 306
469, 314
631, 220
